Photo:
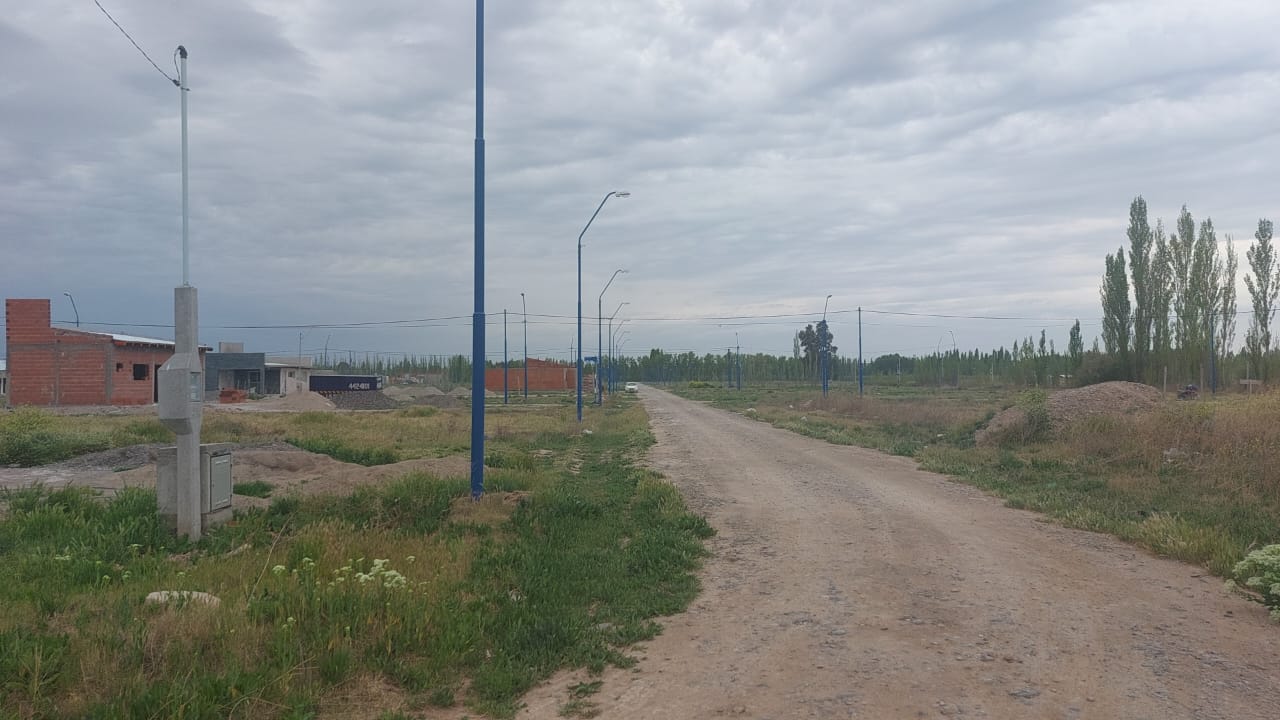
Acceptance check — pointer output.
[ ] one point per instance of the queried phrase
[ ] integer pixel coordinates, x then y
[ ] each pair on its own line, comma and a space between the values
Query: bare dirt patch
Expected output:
286, 468
1068, 406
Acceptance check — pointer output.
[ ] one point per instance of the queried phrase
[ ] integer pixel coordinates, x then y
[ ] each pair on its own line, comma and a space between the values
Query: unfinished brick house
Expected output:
543, 375
63, 366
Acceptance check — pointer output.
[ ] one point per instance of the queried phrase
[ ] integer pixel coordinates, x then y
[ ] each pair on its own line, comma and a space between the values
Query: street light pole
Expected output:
600, 336
611, 317
73, 308
524, 314
607, 195
823, 345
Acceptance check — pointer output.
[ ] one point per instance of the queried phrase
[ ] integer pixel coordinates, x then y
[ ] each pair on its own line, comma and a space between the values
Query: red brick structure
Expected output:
543, 375
61, 366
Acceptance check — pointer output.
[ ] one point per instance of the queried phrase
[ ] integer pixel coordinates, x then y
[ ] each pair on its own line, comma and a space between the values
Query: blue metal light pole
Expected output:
825, 346
524, 314
477, 317
506, 364
607, 195
600, 337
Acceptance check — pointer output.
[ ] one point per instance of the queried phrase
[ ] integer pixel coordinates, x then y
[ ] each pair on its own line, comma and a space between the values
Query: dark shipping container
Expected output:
344, 383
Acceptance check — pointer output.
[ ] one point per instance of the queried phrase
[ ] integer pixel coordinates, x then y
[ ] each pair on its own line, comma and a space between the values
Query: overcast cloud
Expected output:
967, 157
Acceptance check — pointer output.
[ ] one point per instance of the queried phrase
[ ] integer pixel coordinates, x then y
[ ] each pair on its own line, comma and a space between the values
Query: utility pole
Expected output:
859, 349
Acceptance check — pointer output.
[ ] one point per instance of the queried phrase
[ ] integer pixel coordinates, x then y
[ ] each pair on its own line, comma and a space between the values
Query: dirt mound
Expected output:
411, 393
1067, 406
293, 402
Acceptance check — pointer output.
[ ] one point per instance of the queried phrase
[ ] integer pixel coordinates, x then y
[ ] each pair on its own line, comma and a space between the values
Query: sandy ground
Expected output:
848, 584
286, 468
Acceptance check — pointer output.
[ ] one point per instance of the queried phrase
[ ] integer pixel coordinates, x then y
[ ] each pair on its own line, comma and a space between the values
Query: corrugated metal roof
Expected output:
138, 340
129, 339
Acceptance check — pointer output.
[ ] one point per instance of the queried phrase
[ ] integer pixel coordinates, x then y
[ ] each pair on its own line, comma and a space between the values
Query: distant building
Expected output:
543, 375
65, 366
256, 373
4, 382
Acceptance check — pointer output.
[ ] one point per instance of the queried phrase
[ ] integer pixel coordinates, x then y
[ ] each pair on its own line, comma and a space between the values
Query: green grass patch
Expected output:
408, 582
339, 450
256, 488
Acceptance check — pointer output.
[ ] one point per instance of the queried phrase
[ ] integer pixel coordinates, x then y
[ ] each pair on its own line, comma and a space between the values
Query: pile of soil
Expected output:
1067, 406
293, 402
412, 393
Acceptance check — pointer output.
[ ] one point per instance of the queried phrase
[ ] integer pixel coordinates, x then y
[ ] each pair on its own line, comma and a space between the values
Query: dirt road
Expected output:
848, 584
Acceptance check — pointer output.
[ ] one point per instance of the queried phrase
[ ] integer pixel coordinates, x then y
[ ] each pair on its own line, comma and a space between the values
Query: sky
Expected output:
915, 158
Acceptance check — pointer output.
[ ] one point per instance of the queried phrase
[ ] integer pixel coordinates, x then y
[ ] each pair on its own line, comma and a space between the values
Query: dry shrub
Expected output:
923, 411
1231, 443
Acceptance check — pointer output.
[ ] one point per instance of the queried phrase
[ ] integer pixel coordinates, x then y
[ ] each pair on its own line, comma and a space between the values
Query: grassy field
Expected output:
396, 598
1194, 481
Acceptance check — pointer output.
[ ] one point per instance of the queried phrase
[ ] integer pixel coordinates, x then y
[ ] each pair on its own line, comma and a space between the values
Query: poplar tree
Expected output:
1075, 347
1263, 287
1186, 323
1140, 260
1116, 317
1206, 294
1162, 294
1227, 305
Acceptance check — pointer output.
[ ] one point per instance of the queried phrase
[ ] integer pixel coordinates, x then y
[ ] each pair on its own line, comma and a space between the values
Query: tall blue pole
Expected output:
524, 314
477, 317
506, 364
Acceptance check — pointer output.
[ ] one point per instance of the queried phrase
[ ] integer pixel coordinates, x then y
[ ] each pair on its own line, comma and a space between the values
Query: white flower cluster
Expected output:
379, 574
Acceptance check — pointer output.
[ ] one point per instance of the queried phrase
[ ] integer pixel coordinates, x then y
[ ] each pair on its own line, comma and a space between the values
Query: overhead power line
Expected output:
135, 44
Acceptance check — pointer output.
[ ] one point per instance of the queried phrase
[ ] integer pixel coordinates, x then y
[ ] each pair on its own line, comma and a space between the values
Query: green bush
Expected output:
1035, 403
1258, 577
28, 437
700, 385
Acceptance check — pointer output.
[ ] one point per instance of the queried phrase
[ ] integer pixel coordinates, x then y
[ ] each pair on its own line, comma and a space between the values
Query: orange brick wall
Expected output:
55, 366
542, 376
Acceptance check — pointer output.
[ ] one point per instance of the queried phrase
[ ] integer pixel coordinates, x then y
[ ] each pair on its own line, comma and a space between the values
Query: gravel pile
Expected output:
363, 400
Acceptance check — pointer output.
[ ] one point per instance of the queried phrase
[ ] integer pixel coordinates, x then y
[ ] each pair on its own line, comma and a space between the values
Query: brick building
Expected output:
63, 366
543, 375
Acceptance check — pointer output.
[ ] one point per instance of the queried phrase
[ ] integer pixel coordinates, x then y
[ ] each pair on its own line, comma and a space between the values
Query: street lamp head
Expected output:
621, 193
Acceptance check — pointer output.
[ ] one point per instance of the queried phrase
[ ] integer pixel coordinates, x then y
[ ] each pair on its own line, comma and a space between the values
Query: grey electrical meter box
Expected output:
215, 484
181, 381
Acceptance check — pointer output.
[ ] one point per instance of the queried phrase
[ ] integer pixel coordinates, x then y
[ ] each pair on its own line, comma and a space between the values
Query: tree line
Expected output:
1170, 306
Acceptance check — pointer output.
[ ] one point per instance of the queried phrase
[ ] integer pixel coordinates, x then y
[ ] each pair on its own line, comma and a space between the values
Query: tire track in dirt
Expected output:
845, 583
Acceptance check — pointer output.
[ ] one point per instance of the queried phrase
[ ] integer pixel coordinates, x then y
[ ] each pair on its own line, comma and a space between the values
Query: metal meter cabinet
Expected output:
215, 484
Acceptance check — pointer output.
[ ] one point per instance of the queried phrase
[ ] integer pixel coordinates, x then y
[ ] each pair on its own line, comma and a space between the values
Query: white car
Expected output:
632, 387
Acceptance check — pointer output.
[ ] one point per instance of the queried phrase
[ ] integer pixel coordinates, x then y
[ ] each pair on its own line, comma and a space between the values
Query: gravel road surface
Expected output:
845, 583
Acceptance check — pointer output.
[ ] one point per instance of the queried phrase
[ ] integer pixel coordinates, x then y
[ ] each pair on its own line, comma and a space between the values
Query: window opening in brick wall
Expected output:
140, 371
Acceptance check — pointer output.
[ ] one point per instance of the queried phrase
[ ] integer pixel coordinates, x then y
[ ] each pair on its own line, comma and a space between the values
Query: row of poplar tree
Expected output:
1170, 305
